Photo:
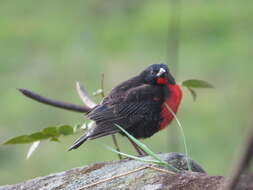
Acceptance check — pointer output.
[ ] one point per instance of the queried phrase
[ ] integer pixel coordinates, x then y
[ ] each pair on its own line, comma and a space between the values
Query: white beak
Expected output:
161, 71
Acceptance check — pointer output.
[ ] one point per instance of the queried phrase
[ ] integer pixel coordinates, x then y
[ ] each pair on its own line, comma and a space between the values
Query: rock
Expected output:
125, 174
179, 161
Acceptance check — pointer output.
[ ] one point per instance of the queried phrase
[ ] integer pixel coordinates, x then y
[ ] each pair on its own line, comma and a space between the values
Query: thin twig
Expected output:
102, 85
243, 162
161, 170
114, 139
55, 103
84, 95
125, 174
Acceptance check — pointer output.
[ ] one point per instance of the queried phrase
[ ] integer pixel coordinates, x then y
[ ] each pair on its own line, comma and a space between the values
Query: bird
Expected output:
139, 105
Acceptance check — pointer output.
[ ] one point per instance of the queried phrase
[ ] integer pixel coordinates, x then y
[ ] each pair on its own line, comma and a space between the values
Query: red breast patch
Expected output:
173, 101
161, 80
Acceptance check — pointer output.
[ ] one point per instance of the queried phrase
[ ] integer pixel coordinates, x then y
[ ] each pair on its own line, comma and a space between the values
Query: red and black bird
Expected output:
137, 105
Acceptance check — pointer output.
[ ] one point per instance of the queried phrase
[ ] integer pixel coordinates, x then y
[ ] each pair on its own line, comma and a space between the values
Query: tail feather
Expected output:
78, 142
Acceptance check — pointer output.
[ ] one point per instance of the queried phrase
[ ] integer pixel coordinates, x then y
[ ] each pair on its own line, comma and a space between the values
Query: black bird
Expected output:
137, 105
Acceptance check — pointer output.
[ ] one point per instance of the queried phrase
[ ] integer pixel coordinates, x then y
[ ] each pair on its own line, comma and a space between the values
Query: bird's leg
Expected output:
115, 142
138, 150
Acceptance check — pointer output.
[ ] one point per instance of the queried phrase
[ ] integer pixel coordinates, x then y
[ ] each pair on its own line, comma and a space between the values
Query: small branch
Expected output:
55, 103
102, 85
243, 162
84, 96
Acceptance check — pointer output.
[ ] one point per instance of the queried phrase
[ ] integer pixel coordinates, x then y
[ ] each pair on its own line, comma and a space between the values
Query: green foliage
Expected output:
66, 130
194, 83
193, 93
23, 139
52, 133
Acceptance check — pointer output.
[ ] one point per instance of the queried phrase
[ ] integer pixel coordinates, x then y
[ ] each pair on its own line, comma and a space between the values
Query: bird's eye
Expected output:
152, 72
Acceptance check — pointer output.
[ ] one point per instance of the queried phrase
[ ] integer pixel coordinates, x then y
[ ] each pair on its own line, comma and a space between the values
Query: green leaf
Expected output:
66, 130
54, 139
193, 93
193, 83
23, 139
39, 136
51, 131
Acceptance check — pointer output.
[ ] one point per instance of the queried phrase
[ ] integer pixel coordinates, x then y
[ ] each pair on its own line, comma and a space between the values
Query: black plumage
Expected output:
134, 104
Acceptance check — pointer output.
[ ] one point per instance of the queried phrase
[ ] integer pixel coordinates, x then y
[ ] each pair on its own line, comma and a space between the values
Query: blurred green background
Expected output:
46, 46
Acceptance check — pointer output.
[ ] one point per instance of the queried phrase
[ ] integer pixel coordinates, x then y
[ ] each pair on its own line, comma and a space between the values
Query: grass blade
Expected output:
148, 151
182, 132
133, 157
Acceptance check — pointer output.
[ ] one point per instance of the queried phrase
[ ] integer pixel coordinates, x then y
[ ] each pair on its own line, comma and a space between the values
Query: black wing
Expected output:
137, 106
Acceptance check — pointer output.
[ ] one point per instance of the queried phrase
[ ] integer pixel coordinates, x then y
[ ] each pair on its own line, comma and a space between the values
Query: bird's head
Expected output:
158, 74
